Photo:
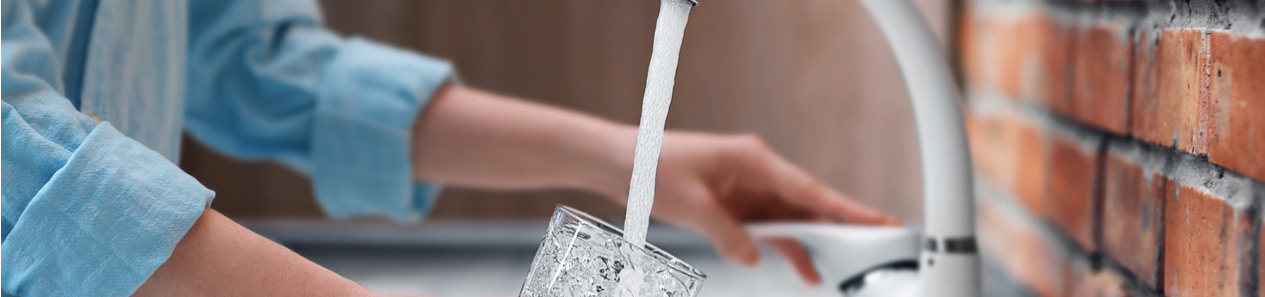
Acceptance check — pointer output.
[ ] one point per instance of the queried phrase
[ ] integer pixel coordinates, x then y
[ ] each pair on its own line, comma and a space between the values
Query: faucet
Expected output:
898, 261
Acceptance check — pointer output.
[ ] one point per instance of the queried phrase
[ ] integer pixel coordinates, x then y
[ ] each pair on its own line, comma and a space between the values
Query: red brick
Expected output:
1205, 244
997, 50
1015, 52
1031, 258
1176, 113
1100, 77
1237, 95
1205, 90
984, 138
1050, 83
1144, 103
1036, 260
1078, 71
1049, 174
1133, 210
1009, 151
1070, 188
968, 47
1032, 168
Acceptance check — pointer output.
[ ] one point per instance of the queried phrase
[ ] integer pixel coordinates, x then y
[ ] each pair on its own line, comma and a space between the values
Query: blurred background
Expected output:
814, 78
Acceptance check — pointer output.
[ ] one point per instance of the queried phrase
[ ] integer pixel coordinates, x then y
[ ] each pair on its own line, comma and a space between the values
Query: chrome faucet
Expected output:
898, 261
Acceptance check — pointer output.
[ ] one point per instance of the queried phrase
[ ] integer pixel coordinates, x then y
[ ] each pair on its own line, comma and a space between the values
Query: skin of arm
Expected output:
218, 257
468, 137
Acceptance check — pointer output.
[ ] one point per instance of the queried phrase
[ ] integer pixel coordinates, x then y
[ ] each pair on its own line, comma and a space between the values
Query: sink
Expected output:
475, 259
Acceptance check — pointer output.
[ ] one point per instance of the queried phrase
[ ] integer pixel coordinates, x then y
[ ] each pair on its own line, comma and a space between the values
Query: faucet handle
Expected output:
844, 253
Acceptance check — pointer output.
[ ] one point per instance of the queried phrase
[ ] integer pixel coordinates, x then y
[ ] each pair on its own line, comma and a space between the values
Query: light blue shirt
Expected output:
93, 208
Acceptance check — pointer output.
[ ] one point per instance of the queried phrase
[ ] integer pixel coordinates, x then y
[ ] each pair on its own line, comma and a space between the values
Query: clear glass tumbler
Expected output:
584, 256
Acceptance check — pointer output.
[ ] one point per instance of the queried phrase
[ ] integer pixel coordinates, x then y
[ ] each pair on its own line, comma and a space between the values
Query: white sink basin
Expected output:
481, 259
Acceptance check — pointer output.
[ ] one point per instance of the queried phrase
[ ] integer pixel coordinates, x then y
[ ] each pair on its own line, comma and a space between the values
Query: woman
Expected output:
96, 94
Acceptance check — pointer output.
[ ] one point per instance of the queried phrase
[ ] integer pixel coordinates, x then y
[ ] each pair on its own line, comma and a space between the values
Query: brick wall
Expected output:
1120, 145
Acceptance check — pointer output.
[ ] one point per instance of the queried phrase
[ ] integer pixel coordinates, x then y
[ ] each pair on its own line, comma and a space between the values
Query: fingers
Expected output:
727, 235
842, 208
798, 187
798, 257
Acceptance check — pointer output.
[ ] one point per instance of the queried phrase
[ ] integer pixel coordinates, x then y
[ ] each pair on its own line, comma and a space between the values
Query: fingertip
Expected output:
872, 216
799, 259
751, 257
812, 281
746, 255
746, 258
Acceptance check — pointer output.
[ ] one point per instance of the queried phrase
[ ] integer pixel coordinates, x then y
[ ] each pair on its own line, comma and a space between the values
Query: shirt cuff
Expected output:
104, 221
370, 97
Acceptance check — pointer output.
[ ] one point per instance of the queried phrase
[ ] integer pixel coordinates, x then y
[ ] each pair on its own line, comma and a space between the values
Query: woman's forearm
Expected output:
473, 138
221, 258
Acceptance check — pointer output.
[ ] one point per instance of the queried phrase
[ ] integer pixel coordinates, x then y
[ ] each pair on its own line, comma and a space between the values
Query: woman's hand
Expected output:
715, 183
707, 182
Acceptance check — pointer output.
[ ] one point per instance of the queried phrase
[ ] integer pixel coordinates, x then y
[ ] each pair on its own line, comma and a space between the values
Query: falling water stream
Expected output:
668, 32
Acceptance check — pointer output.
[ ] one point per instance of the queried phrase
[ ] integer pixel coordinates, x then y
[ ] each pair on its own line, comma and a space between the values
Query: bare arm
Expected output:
221, 258
475, 138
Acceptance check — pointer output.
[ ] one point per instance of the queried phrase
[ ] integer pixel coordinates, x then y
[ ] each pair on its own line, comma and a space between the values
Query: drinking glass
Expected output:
584, 256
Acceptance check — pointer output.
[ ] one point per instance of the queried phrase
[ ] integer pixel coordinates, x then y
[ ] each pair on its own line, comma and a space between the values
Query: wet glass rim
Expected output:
673, 262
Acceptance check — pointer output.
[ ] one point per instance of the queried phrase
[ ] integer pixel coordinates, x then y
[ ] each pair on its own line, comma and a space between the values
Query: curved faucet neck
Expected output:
950, 263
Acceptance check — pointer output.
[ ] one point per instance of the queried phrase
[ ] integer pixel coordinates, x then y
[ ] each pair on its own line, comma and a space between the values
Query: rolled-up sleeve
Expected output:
268, 81
87, 211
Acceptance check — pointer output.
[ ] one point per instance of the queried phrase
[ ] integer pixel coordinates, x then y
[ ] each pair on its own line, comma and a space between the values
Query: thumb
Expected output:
728, 236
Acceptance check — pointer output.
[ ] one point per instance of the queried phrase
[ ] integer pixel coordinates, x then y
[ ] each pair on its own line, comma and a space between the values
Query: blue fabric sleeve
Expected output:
268, 81
86, 210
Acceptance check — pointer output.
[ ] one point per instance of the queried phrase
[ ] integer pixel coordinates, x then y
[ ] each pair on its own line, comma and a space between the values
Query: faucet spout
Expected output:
949, 260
